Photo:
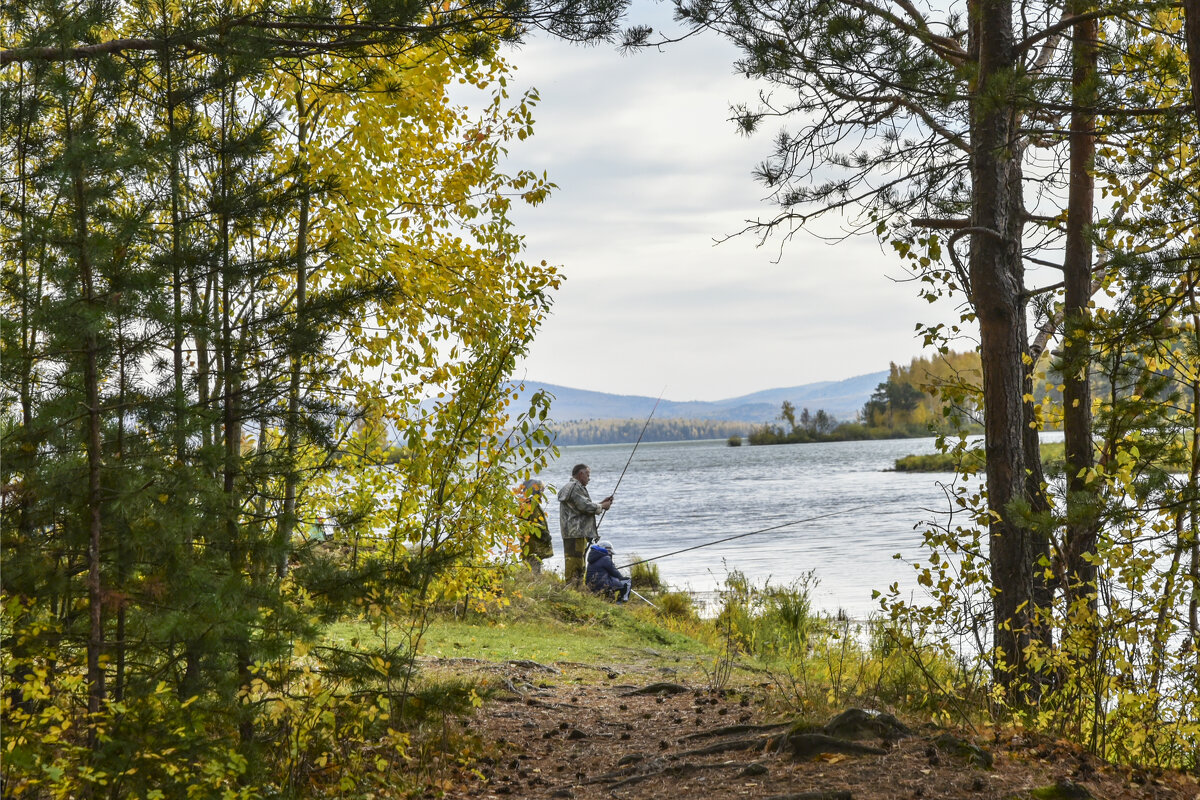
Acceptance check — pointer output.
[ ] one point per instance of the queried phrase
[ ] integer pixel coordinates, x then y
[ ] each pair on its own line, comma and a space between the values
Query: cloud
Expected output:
650, 173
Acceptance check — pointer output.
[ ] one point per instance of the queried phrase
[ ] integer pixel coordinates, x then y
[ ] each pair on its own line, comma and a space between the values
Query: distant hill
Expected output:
843, 399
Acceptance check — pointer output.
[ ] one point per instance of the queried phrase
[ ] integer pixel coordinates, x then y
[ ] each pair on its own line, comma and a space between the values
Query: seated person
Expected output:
602, 575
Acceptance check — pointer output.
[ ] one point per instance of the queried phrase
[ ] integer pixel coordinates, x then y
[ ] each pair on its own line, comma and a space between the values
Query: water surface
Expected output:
679, 494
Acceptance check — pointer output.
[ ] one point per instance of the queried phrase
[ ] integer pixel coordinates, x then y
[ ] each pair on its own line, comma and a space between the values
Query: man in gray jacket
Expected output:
577, 520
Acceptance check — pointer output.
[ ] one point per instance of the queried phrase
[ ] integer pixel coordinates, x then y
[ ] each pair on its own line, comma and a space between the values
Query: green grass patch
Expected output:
817, 663
545, 621
1052, 457
594, 643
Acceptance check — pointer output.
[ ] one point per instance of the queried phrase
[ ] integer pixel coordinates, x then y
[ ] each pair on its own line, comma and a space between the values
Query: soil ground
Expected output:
578, 731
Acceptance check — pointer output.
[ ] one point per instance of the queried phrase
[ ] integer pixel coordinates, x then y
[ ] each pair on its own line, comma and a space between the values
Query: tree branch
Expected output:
353, 31
939, 224
1063, 23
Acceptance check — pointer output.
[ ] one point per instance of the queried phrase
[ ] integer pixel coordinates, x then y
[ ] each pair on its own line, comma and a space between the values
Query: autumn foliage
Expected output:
248, 250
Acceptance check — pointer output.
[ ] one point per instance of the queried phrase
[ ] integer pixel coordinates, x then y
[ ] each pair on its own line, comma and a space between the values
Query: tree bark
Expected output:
287, 520
1191, 31
1079, 572
29, 305
997, 294
91, 385
1192, 524
230, 387
180, 436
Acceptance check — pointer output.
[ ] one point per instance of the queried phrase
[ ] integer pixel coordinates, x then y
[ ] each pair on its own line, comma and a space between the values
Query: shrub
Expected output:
787, 618
645, 575
676, 605
933, 462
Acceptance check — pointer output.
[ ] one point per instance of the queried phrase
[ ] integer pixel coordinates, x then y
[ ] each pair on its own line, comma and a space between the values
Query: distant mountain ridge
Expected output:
843, 399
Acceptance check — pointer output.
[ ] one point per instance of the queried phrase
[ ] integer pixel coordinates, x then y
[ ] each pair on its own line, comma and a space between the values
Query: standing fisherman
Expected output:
577, 520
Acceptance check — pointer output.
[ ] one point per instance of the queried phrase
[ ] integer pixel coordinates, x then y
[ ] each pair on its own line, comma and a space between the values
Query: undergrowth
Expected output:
819, 663
822, 663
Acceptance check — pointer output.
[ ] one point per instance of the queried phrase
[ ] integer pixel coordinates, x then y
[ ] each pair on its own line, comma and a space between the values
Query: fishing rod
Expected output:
503, 566
744, 535
635, 594
635, 447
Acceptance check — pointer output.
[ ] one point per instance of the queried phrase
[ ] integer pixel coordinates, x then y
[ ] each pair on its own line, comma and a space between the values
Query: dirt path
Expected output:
574, 731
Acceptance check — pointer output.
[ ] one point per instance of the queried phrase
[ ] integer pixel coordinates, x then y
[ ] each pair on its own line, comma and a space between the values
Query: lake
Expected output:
681, 494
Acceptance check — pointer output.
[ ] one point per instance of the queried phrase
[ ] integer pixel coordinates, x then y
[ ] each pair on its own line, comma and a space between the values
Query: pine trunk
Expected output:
1191, 28
1192, 523
996, 287
91, 386
1079, 571
287, 520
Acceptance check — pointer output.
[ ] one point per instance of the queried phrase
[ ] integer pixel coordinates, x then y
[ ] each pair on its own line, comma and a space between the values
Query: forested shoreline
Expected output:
627, 431
906, 405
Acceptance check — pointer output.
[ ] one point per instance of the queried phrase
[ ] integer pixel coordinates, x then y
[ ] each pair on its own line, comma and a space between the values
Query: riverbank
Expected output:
628, 702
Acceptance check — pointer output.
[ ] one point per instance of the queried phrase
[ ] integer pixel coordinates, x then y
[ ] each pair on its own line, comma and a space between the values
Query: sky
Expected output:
650, 172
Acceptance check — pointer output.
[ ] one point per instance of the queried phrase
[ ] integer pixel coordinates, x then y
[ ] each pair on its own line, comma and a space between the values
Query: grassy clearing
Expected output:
596, 638
817, 664
542, 620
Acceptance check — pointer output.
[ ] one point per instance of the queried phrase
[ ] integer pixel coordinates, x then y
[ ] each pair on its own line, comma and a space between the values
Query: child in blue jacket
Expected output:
602, 574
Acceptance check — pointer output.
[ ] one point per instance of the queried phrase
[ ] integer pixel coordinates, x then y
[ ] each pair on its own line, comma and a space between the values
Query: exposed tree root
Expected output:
675, 771
804, 745
625, 769
527, 664
659, 688
752, 743
581, 665
729, 730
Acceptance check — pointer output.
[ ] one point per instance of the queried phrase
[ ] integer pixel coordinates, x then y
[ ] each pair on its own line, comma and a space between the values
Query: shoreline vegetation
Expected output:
1053, 455
971, 460
928, 397
913, 402
537, 644
626, 431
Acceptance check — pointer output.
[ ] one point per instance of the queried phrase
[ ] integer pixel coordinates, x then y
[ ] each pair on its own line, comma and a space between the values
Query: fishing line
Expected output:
656, 608
731, 538
878, 513
744, 535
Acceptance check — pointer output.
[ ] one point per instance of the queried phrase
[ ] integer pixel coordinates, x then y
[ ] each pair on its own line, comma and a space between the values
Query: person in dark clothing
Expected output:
602, 574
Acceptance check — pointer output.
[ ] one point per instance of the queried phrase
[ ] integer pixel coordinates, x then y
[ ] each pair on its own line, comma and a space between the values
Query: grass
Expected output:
1053, 460
1052, 456
545, 621
817, 663
645, 575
